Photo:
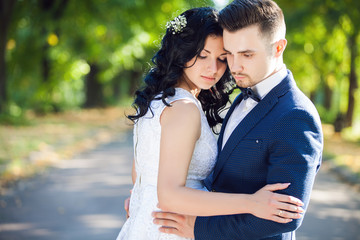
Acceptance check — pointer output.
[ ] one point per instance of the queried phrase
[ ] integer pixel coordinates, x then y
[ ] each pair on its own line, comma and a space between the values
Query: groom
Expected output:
271, 134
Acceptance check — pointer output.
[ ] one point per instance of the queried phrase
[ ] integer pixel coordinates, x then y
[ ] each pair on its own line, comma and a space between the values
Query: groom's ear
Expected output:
280, 47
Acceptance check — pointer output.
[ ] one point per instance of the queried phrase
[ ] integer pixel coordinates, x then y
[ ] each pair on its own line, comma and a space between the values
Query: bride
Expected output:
174, 146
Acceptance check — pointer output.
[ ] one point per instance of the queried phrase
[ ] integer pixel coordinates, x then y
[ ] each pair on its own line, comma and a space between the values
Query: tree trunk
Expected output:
6, 8
313, 96
328, 93
93, 88
45, 63
116, 88
134, 81
353, 84
57, 10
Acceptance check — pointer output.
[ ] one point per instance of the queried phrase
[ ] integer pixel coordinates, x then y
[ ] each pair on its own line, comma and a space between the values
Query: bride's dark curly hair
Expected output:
169, 63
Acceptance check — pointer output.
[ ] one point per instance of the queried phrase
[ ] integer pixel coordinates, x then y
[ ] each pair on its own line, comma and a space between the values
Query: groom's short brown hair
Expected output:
264, 13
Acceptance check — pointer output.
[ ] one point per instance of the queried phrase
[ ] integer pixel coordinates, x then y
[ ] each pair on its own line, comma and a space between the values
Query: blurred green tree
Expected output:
6, 10
323, 50
60, 54
63, 54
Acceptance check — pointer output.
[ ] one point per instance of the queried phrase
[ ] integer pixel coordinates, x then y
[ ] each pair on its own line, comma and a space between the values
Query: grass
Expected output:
30, 148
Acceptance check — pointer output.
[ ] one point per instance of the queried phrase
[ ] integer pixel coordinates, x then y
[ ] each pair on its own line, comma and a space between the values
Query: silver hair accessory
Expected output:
177, 25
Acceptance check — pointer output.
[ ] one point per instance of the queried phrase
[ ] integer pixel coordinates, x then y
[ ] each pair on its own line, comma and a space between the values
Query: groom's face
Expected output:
250, 56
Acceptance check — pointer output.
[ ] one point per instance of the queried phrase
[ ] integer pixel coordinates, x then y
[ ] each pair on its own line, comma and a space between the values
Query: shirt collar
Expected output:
266, 85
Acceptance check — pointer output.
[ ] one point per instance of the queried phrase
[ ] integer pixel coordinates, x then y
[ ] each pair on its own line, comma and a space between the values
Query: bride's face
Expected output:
205, 70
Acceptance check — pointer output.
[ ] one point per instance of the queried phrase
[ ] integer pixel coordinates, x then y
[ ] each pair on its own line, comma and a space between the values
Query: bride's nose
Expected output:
213, 67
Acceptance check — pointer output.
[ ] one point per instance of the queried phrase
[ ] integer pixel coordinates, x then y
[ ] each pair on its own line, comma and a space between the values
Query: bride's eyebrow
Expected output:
210, 52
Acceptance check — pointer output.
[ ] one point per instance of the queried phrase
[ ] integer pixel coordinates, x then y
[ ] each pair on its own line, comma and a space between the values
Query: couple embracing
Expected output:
255, 180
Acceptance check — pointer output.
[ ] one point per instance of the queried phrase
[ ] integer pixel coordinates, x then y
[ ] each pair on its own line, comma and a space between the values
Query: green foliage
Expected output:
53, 44
319, 51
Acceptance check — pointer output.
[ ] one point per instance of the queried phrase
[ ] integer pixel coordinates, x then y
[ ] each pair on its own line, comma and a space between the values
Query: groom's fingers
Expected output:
165, 223
127, 206
167, 219
169, 230
180, 228
168, 215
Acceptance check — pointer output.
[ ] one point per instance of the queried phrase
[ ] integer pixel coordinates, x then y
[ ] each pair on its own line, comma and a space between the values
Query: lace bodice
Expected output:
147, 133
147, 143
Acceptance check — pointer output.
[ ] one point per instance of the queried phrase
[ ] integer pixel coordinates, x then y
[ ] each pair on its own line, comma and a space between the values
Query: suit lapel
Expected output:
226, 119
250, 121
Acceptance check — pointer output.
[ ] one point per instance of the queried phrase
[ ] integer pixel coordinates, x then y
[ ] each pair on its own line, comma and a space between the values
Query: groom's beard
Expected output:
244, 81
240, 75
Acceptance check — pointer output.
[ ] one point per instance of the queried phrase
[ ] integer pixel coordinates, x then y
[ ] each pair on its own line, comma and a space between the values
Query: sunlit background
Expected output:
71, 57
68, 71
61, 55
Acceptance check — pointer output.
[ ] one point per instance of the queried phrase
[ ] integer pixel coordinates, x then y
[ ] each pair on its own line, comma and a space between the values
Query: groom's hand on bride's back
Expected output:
173, 223
127, 206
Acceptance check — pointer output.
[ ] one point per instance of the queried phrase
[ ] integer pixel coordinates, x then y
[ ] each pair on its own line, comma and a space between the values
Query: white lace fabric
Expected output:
140, 226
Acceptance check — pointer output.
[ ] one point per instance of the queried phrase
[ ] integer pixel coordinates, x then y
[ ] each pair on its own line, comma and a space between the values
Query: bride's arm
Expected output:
180, 129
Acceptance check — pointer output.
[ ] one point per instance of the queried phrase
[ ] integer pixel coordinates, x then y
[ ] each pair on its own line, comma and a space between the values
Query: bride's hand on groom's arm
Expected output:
173, 223
275, 207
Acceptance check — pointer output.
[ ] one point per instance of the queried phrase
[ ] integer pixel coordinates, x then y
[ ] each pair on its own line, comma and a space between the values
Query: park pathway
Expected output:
82, 198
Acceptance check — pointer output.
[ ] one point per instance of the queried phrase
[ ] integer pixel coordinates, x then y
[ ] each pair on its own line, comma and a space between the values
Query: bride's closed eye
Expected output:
222, 59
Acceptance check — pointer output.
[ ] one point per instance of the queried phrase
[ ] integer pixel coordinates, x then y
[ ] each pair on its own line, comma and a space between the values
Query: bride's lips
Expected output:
208, 78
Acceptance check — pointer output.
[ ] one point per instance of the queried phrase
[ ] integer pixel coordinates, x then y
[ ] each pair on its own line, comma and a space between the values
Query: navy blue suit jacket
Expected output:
279, 141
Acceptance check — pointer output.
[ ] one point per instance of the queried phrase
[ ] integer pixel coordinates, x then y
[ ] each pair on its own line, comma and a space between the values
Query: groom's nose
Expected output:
236, 65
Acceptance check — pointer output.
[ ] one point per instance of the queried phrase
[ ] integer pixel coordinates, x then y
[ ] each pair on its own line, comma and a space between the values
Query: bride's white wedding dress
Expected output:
140, 226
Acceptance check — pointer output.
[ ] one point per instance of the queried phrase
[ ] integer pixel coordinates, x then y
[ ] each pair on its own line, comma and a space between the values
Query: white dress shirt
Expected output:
245, 106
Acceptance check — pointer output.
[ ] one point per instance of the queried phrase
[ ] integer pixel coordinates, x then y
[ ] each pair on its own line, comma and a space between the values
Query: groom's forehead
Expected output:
244, 35
243, 40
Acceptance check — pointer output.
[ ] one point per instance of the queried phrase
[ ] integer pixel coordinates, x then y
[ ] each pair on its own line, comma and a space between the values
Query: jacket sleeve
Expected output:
295, 152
